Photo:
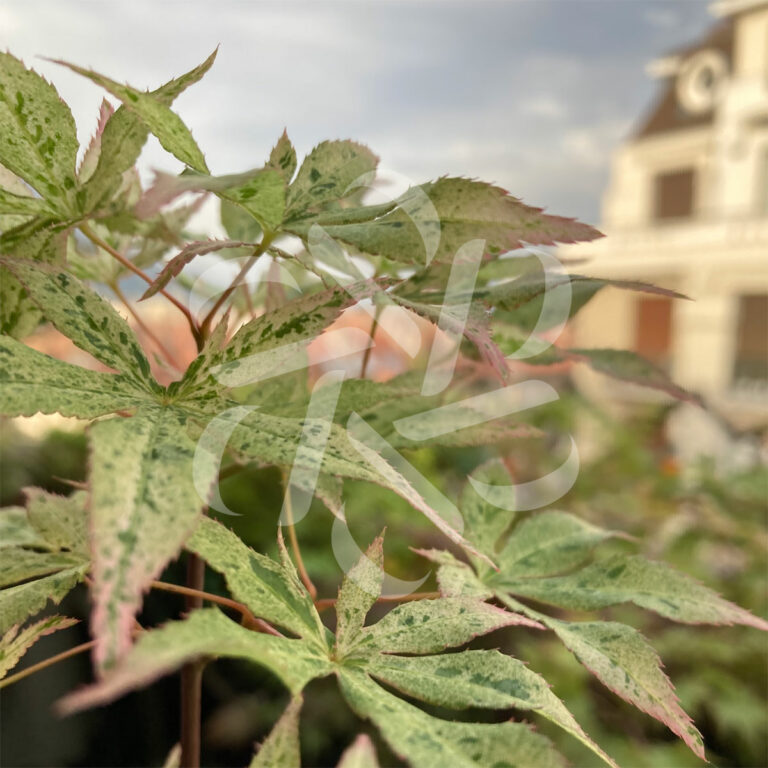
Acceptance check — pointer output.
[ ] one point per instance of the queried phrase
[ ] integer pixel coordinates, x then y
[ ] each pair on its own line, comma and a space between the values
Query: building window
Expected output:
674, 195
750, 365
653, 330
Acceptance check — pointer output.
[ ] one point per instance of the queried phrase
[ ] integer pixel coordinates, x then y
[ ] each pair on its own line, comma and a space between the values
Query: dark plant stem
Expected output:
191, 676
97, 241
205, 325
328, 602
303, 574
144, 327
367, 352
46, 663
249, 620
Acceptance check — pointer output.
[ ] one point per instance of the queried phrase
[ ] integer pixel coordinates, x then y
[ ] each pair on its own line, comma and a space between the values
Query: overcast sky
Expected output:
529, 94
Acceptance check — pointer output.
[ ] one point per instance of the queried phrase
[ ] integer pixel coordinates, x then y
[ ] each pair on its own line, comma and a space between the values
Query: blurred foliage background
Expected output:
706, 523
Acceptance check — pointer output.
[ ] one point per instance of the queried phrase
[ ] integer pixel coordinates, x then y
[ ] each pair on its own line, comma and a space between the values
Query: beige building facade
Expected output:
687, 208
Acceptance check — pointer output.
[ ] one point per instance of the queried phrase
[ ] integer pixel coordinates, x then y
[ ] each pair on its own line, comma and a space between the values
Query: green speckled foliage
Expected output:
163, 430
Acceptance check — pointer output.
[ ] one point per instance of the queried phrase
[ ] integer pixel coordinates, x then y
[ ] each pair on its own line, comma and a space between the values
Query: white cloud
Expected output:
591, 146
662, 18
544, 106
9, 22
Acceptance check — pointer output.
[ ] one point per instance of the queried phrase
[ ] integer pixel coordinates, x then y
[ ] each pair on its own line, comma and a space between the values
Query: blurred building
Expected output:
687, 208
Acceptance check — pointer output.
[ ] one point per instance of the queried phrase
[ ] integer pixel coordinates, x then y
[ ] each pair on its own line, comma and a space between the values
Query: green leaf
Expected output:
238, 223
620, 364
487, 679
165, 124
205, 632
281, 747
144, 504
549, 543
37, 239
361, 754
274, 440
38, 139
19, 315
327, 173
627, 366
18, 603
359, 591
473, 325
31, 382
429, 626
18, 564
421, 421
651, 585
48, 537
124, 136
274, 340
49, 524
16, 531
434, 220
427, 742
456, 579
523, 297
486, 522
263, 197
282, 158
478, 679
621, 659
61, 521
256, 580
10, 203
86, 318
10, 182
259, 192
15, 644
197, 387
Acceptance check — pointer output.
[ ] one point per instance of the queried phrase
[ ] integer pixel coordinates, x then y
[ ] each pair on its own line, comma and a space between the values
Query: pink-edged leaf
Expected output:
475, 328
154, 112
38, 139
261, 192
275, 439
429, 742
206, 632
164, 189
183, 257
622, 660
523, 295
328, 173
274, 342
430, 626
14, 644
282, 158
434, 220
281, 747
124, 136
360, 589
651, 585
144, 504
487, 679
91, 156
628, 366
360, 754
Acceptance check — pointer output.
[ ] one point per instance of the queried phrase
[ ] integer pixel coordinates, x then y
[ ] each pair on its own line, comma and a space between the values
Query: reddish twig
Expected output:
97, 241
